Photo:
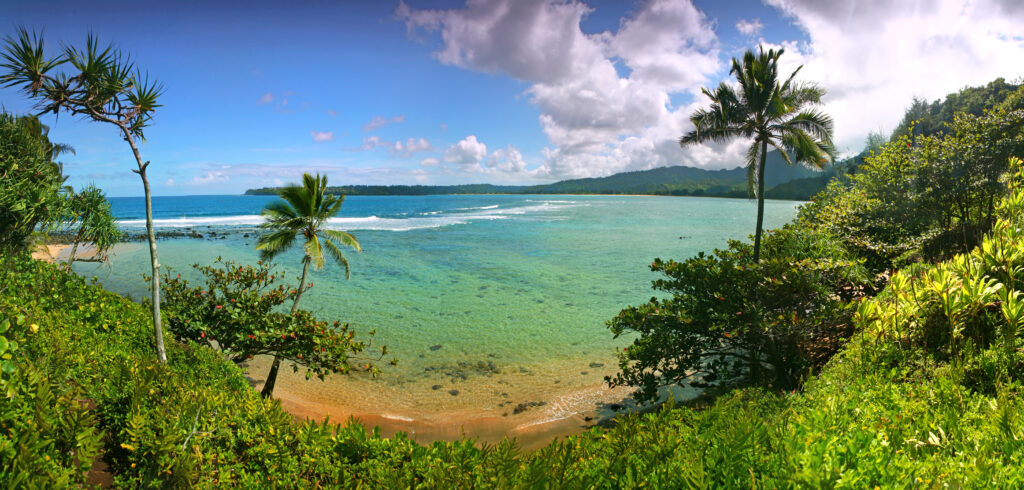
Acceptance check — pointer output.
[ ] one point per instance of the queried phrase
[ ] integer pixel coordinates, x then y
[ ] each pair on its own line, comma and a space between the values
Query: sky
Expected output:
493, 91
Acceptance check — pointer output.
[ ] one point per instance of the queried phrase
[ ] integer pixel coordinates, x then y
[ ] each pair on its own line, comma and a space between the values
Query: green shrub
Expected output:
729, 320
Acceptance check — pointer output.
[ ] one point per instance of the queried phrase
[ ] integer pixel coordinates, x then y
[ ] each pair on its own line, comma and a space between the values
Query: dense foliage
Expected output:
31, 182
922, 197
238, 312
727, 320
924, 119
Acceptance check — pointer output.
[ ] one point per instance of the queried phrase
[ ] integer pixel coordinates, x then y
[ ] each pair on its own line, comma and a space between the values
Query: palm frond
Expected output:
343, 238
813, 122
272, 244
336, 254
806, 149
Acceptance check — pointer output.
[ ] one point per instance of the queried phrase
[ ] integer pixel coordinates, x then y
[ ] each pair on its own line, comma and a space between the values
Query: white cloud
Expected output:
749, 27
598, 121
508, 160
467, 153
429, 162
411, 145
403, 149
873, 57
605, 99
266, 99
321, 137
381, 121
170, 181
332, 112
211, 177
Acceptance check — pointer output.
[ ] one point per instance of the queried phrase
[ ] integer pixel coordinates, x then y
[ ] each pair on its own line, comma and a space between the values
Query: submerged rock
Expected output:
435, 347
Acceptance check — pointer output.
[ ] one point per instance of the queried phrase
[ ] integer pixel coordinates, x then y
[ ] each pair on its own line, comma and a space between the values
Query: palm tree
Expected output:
303, 211
770, 114
90, 210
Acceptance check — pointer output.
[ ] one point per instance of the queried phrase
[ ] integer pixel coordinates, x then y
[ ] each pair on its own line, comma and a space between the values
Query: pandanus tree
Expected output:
303, 212
89, 220
770, 112
101, 85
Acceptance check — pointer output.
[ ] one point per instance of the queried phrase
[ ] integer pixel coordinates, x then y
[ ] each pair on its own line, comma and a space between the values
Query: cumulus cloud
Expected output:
170, 182
321, 137
211, 177
429, 162
266, 99
873, 57
467, 153
597, 120
381, 121
749, 27
606, 99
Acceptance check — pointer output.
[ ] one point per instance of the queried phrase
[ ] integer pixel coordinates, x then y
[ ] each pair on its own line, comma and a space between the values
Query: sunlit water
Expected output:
487, 301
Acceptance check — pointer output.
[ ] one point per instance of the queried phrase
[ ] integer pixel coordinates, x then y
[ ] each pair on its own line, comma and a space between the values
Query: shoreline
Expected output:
569, 412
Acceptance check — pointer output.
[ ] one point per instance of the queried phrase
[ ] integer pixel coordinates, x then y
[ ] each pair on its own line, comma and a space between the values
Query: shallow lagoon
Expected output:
488, 302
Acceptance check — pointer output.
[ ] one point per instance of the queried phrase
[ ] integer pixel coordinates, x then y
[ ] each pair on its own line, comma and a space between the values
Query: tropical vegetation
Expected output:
102, 85
770, 111
875, 341
31, 182
237, 312
88, 220
303, 211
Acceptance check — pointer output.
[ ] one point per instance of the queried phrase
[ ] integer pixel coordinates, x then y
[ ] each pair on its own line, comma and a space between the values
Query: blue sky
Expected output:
494, 91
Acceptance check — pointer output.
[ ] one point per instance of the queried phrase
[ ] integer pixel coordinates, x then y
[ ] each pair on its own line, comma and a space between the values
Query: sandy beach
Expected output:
375, 404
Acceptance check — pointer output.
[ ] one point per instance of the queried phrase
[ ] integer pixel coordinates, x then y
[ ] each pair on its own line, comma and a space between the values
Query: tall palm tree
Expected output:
303, 211
770, 113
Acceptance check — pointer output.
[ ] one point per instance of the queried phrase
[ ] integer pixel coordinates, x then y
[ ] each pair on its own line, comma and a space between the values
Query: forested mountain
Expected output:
680, 180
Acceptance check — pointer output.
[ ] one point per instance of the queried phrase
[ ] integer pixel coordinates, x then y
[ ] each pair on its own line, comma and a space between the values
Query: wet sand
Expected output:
410, 408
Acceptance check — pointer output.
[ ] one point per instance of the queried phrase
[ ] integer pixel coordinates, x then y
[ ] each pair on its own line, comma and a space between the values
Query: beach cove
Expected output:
494, 305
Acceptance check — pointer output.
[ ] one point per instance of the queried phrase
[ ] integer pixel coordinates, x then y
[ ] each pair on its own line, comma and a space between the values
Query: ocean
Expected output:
487, 301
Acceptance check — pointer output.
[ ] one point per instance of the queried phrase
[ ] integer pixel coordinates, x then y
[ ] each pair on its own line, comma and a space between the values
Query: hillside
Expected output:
679, 180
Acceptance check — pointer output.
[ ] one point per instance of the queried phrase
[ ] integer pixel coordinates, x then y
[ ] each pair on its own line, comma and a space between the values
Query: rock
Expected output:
596, 365
453, 392
435, 347
435, 387
584, 373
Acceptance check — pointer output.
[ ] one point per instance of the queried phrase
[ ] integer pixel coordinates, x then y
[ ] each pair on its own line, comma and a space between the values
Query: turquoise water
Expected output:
515, 290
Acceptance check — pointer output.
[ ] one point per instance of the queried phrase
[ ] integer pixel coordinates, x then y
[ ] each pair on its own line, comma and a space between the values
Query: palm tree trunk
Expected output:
760, 202
302, 284
158, 331
268, 386
74, 246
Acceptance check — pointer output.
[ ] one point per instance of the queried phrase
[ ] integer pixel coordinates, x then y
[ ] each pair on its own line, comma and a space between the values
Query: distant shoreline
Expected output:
261, 193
